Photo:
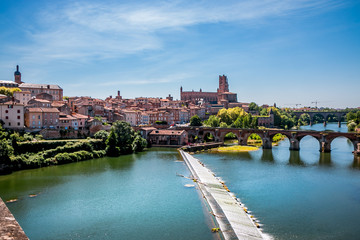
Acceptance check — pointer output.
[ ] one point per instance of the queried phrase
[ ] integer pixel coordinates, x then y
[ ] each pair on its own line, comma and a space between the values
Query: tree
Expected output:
5, 152
122, 140
253, 106
111, 145
139, 143
195, 121
213, 121
9, 91
124, 135
223, 125
102, 134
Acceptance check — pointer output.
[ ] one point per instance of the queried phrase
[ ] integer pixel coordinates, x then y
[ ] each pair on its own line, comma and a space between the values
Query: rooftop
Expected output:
36, 85
167, 132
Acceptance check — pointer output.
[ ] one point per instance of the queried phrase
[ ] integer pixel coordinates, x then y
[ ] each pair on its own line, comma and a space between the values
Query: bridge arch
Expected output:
318, 117
317, 138
209, 136
353, 141
224, 132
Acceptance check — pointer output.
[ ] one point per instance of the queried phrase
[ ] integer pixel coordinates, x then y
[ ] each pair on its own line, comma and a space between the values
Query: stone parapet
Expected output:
9, 227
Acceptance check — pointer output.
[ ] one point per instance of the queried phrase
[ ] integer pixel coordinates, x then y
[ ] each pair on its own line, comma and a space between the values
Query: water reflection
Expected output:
234, 156
325, 159
295, 159
267, 156
356, 163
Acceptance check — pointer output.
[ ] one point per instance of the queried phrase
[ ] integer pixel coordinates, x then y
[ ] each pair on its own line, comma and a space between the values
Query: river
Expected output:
137, 196
295, 195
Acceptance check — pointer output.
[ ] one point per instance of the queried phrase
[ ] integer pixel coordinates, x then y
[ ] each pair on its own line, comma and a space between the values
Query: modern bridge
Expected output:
324, 138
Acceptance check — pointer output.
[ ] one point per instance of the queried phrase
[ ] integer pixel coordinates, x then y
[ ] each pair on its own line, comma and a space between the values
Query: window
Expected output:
9, 123
18, 117
33, 116
6, 111
39, 117
39, 123
33, 123
10, 106
18, 124
7, 117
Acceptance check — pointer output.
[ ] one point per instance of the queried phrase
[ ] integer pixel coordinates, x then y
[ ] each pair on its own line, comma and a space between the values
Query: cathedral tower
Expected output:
223, 84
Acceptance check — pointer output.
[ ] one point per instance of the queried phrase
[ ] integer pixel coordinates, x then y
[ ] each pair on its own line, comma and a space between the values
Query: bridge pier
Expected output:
325, 123
325, 146
294, 144
267, 143
339, 124
242, 141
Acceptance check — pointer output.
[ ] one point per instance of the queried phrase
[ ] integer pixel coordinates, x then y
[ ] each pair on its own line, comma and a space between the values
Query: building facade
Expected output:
12, 115
221, 96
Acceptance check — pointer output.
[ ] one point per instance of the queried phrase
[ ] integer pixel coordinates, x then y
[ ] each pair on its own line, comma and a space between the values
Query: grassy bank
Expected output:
232, 149
28, 155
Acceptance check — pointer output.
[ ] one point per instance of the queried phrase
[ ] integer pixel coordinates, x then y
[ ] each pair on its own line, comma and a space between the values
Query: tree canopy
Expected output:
123, 139
195, 121
9, 91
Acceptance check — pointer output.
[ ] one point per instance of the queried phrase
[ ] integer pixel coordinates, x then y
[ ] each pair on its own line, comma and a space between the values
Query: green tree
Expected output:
124, 135
253, 107
139, 143
102, 134
195, 121
112, 148
351, 125
15, 138
223, 125
213, 121
304, 119
5, 152
9, 91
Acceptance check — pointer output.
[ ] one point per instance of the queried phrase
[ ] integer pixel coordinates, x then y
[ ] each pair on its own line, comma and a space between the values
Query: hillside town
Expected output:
44, 108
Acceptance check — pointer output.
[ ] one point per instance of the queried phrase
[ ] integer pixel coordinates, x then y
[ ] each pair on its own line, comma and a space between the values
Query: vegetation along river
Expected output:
295, 195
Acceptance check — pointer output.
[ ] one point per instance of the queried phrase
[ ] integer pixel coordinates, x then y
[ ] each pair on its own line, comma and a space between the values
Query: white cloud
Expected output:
81, 32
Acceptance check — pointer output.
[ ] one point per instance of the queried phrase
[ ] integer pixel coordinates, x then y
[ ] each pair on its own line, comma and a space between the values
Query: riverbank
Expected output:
29, 155
230, 214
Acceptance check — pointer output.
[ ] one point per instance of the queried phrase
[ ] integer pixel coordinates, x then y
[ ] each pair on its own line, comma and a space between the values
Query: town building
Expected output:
266, 121
223, 96
12, 114
38, 118
168, 137
23, 97
8, 84
54, 90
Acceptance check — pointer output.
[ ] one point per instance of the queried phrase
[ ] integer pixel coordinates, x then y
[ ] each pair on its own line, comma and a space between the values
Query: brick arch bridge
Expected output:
324, 114
294, 136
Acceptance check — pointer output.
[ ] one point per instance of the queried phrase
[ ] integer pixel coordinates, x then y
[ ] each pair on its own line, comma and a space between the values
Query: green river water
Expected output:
294, 195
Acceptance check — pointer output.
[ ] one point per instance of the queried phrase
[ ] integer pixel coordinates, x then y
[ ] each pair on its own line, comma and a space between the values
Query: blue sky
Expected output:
284, 51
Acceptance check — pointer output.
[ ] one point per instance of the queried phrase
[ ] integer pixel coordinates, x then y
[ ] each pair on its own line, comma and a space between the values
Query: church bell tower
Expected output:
17, 75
